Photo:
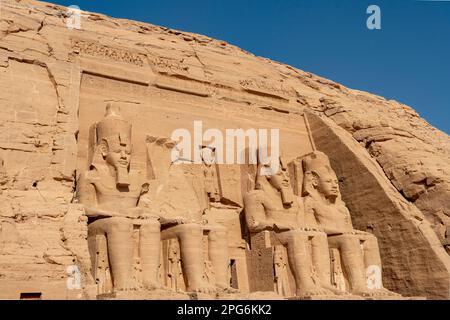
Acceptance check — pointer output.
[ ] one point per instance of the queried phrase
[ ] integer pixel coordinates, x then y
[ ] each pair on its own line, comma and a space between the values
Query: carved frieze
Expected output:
96, 49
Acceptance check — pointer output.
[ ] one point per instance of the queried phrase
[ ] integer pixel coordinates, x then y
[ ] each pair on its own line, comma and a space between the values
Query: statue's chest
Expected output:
329, 213
276, 210
109, 192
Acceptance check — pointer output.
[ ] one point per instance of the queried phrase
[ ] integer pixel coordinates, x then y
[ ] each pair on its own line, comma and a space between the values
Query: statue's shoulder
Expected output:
138, 178
89, 176
308, 203
254, 195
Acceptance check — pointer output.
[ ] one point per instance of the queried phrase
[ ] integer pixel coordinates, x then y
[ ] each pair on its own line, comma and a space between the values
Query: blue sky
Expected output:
407, 60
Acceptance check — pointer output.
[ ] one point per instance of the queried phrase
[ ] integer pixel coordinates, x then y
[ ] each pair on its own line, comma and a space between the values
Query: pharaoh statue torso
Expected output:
329, 216
111, 198
275, 212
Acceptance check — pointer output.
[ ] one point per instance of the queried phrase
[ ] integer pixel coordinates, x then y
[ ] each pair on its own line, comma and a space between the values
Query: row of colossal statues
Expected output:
307, 225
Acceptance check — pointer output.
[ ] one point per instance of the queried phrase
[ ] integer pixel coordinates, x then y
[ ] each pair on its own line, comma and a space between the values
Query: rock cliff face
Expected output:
393, 167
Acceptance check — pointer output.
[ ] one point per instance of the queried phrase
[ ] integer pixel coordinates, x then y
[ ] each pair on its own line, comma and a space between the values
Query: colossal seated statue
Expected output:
111, 195
181, 216
323, 204
273, 207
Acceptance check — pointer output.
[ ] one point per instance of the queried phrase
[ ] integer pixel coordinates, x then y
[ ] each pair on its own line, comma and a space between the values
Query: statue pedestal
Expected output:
160, 294
327, 297
260, 261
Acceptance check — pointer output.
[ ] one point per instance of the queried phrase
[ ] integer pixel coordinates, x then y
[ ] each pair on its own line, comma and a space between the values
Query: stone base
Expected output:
353, 297
160, 294
394, 298
166, 294
327, 297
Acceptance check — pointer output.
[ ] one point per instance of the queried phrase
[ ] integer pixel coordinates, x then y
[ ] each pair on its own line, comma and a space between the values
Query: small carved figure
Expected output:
210, 174
209, 273
174, 266
281, 272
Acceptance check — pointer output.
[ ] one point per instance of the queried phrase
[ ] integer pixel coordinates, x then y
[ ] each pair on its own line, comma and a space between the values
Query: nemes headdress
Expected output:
113, 125
315, 161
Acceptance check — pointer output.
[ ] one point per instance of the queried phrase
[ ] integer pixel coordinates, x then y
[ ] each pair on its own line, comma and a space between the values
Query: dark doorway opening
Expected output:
30, 296
233, 278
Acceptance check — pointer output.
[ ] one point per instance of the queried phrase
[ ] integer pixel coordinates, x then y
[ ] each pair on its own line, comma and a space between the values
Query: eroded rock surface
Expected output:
393, 167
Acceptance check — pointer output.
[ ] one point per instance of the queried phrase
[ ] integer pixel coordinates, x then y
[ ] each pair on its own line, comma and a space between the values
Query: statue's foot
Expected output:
387, 292
129, 286
227, 289
335, 290
152, 285
375, 292
313, 291
204, 289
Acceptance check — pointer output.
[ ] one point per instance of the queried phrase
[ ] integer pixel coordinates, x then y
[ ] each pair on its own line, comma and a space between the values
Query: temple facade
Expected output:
104, 196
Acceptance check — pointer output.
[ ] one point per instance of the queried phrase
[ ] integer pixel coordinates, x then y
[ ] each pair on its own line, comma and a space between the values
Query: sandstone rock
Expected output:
55, 82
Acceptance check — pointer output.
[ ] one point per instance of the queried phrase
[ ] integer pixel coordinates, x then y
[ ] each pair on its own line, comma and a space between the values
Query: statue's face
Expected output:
280, 180
328, 184
208, 156
118, 154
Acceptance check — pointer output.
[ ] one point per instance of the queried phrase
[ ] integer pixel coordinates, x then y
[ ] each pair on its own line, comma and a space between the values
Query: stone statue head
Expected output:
319, 177
113, 143
208, 155
278, 180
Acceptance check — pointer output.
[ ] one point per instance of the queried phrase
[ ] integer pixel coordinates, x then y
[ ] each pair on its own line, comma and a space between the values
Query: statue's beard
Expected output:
331, 197
287, 196
122, 176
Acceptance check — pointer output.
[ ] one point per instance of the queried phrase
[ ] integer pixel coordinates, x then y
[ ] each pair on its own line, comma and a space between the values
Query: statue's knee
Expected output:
219, 234
98, 227
350, 242
297, 239
370, 243
189, 229
151, 227
319, 236
120, 225
298, 235
217, 228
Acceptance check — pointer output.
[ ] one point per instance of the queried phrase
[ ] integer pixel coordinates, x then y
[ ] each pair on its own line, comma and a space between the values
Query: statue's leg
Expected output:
218, 254
321, 259
191, 246
371, 252
149, 251
120, 250
352, 260
300, 261
372, 262
95, 229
